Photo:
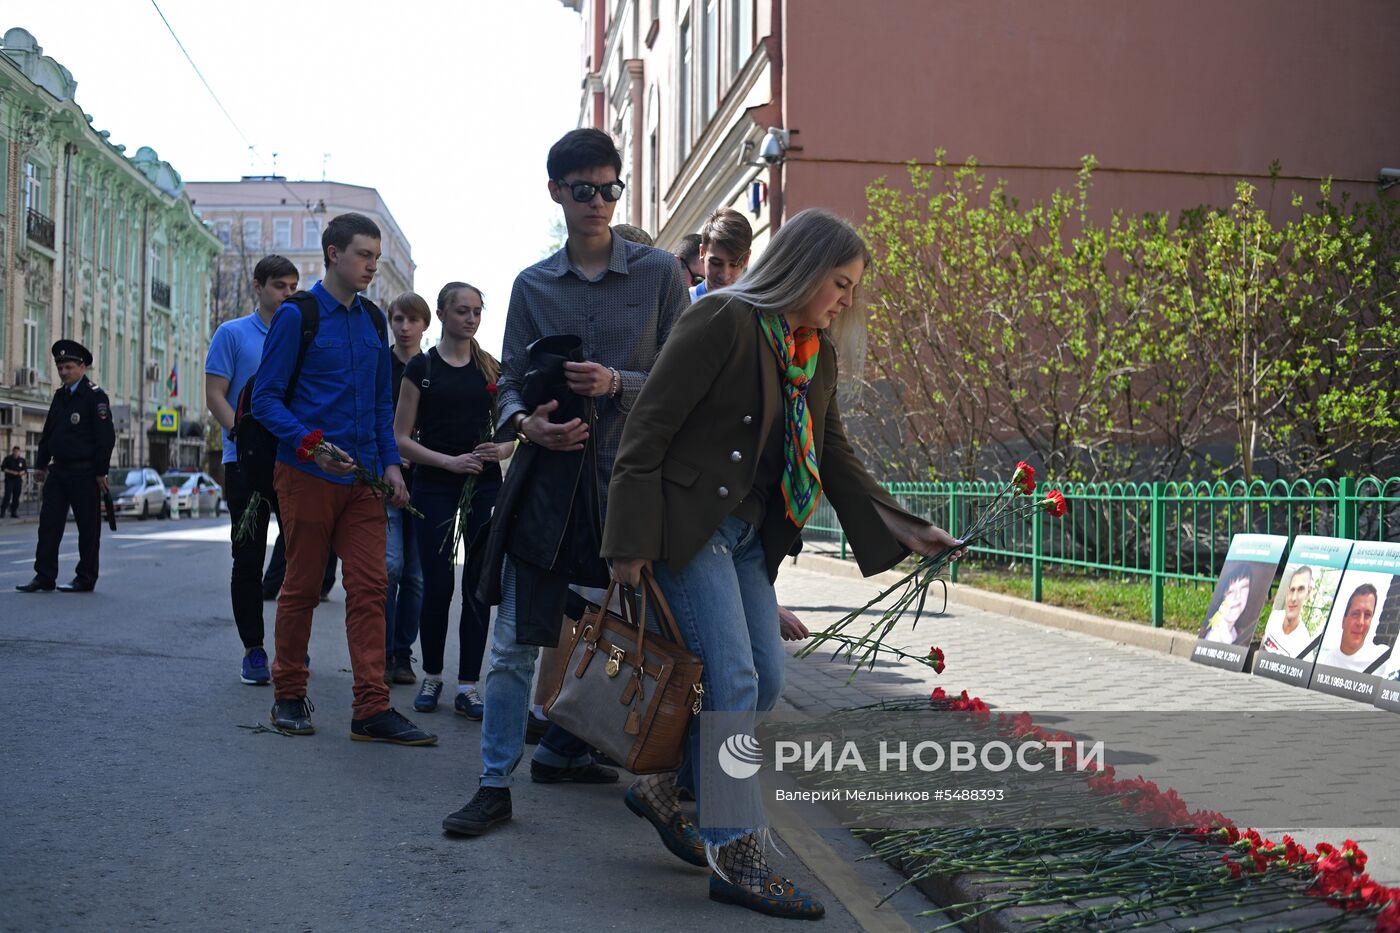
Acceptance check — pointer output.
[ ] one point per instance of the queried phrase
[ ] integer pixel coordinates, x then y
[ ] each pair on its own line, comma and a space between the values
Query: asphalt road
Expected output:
134, 800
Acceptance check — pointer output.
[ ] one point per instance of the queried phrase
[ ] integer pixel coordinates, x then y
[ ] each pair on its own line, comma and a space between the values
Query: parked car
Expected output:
185, 490
138, 491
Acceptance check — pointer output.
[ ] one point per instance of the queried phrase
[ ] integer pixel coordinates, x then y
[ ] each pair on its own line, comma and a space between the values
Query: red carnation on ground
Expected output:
1054, 503
1024, 477
936, 657
938, 694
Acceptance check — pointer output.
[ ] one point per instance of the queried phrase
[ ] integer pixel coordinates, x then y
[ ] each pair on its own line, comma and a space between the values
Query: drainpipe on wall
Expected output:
141, 359
69, 150
636, 71
774, 43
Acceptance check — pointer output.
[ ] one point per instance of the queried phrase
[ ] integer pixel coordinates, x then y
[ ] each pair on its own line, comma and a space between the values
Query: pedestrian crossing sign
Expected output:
167, 420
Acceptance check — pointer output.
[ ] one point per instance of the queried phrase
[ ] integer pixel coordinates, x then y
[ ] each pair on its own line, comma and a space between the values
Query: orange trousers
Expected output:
317, 515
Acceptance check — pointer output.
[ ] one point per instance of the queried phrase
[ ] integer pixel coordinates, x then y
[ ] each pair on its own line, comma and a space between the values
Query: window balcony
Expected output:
39, 228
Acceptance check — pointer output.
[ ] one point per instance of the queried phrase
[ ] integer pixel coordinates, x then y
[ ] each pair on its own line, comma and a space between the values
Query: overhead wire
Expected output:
305, 205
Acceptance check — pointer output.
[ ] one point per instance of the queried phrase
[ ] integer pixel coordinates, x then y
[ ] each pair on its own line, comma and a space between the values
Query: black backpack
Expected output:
257, 446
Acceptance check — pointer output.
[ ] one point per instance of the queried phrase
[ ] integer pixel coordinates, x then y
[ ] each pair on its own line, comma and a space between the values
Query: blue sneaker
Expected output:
255, 669
427, 699
468, 704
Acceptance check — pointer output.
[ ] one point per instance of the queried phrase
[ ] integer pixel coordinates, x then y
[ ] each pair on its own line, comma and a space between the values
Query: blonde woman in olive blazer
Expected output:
696, 496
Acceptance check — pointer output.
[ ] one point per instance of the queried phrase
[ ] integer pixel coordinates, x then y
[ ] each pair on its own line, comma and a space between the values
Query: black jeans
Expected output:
11, 501
245, 583
437, 500
277, 569
63, 489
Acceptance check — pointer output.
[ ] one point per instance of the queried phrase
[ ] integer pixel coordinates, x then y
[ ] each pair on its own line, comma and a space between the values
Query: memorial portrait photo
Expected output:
1350, 640
1239, 596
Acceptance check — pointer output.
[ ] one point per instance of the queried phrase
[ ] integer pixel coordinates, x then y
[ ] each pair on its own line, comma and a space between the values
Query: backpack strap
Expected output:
310, 324
428, 374
381, 323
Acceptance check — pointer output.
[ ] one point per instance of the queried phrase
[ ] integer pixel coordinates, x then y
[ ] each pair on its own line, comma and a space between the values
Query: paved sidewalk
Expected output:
1015, 665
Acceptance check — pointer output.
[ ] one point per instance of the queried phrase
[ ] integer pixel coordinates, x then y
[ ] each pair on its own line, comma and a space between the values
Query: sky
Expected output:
448, 107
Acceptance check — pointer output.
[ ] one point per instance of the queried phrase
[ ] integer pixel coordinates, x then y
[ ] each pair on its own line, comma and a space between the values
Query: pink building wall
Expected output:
1175, 100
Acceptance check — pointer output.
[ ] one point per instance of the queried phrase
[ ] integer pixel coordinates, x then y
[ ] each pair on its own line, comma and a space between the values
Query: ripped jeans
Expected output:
727, 612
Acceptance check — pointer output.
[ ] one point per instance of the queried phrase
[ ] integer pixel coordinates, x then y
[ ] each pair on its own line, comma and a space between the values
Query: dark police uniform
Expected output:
13, 484
75, 448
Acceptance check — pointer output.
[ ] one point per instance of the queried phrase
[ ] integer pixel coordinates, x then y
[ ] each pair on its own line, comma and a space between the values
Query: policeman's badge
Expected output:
75, 418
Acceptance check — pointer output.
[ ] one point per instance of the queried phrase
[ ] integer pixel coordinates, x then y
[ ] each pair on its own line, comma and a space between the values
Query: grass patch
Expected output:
1124, 599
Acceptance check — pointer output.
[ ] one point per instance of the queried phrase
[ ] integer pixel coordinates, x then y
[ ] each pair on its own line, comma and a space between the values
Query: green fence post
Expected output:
1037, 549
953, 527
1347, 511
1157, 529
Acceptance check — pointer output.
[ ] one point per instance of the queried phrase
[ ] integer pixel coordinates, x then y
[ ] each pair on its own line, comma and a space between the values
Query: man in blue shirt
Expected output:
342, 390
234, 355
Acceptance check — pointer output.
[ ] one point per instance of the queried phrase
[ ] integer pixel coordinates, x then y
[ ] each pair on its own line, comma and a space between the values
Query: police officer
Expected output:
78, 439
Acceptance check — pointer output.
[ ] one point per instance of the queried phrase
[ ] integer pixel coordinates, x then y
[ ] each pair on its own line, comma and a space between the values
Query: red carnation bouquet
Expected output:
457, 526
315, 444
1014, 503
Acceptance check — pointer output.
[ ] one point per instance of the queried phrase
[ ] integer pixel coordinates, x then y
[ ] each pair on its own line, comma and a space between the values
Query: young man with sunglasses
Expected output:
621, 299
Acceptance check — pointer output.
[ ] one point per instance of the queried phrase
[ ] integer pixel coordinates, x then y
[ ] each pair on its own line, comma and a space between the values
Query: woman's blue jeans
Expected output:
405, 597
727, 612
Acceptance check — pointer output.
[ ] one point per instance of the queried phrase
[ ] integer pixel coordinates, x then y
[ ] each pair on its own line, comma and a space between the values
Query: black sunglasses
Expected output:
583, 192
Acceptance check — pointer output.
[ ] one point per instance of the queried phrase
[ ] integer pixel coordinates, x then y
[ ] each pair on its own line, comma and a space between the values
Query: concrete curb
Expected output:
1164, 641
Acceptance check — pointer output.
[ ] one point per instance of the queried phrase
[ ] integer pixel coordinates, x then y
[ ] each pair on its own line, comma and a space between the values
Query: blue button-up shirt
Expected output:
343, 388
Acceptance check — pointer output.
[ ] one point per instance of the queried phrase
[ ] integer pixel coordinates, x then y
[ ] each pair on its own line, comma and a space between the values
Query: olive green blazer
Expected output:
691, 446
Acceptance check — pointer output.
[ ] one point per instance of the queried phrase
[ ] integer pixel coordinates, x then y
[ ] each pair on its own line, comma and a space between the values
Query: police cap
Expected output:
72, 350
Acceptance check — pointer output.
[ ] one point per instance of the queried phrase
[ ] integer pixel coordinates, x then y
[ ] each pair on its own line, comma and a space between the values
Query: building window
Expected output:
31, 337
683, 85
223, 229
158, 261
310, 233
34, 188
740, 34
252, 233
282, 233
709, 68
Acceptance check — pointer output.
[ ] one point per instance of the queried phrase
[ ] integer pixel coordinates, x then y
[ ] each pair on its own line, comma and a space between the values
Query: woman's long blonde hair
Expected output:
486, 364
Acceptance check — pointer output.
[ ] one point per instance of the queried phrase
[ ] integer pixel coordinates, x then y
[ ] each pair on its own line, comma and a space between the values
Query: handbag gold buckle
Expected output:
699, 695
615, 657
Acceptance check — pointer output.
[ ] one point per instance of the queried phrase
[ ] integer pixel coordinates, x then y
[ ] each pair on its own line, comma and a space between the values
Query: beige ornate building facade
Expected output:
262, 214
103, 248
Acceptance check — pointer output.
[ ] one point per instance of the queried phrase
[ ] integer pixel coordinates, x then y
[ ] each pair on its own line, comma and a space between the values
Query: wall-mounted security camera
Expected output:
1388, 177
773, 149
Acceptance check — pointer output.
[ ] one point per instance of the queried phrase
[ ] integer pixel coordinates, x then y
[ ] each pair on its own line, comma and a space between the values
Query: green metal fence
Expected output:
1156, 531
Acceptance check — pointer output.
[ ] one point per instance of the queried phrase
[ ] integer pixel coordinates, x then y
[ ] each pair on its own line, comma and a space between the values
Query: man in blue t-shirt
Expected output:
234, 355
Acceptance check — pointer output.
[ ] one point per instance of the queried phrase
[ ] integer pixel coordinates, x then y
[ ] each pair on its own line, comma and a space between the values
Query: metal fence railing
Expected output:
1155, 531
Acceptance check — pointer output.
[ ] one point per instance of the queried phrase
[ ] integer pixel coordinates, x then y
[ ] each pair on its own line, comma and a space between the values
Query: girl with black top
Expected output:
441, 424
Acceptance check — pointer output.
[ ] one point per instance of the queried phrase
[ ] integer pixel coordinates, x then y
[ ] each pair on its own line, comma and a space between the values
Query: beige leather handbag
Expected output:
628, 692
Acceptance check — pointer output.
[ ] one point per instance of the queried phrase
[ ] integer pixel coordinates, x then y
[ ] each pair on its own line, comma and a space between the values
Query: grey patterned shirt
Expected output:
623, 318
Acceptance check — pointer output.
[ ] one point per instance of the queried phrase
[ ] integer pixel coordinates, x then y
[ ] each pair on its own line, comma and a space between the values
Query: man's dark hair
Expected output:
1365, 589
16, 447
585, 148
689, 248
341, 230
273, 267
